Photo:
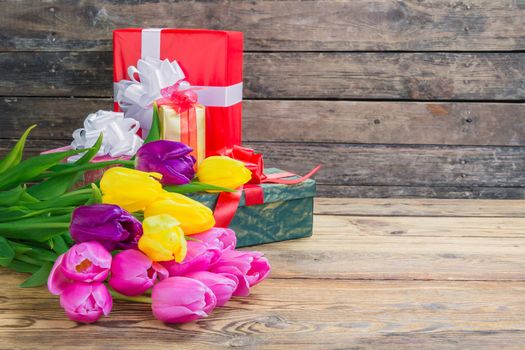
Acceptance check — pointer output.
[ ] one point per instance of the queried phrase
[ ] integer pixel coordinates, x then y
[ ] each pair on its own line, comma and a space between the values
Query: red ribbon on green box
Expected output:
228, 202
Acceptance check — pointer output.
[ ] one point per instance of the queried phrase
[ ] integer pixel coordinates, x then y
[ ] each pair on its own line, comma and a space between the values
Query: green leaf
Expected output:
34, 252
35, 229
7, 253
20, 266
59, 245
59, 185
154, 132
28, 169
92, 152
67, 238
11, 197
15, 155
196, 186
18, 212
74, 199
39, 277
96, 196
73, 169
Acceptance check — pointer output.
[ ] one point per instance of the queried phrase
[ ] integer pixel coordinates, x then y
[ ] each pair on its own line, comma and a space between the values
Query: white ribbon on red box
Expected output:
135, 96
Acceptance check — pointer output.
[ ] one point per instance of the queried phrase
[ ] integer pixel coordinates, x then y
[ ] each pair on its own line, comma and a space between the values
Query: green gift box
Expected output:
287, 213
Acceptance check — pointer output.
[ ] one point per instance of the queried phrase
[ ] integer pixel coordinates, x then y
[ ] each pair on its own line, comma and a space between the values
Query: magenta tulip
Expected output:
249, 268
84, 262
170, 158
222, 286
223, 238
133, 273
181, 299
107, 224
86, 302
200, 256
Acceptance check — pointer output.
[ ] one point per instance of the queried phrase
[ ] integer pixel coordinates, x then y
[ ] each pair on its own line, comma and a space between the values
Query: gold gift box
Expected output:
188, 127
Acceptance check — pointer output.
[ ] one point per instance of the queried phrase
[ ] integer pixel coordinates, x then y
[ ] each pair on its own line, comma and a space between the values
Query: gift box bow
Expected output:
228, 202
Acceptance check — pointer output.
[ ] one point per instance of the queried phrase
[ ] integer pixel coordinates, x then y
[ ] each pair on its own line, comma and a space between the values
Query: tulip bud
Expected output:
181, 299
194, 217
163, 239
249, 268
199, 256
133, 273
130, 189
224, 172
84, 262
169, 158
222, 286
86, 302
223, 238
107, 224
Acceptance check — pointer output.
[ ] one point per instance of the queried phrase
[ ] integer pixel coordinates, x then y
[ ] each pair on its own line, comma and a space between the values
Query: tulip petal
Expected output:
57, 281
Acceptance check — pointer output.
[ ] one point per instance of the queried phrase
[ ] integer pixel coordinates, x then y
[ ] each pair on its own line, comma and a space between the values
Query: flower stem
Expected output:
137, 299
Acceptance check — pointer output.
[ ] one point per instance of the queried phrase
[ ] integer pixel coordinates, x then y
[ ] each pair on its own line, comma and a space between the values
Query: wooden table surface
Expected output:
377, 274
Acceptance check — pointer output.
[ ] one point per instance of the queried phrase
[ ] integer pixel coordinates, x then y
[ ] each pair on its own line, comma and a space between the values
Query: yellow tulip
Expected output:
224, 172
163, 239
193, 216
130, 189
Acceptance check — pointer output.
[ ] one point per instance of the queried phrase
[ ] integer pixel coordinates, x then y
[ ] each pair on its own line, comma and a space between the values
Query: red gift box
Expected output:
212, 63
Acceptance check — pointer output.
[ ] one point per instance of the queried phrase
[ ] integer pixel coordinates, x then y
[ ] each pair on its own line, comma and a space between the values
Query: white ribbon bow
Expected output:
135, 97
119, 135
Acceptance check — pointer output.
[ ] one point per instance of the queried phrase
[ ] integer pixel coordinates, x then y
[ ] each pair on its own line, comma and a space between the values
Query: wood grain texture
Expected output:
458, 192
438, 170
315, 314
388, 75
447, 123
401, 165
351, 285
419, 207
382, 25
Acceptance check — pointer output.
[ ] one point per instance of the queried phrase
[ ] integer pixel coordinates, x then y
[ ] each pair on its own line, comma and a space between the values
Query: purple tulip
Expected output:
223, 238
181, 299
199, 257
132, 273
222, 286
85, 262
108, 224
86, 302
170, 158
249, 268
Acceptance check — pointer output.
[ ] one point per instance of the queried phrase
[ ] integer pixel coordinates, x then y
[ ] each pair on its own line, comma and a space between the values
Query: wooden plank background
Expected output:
395, 98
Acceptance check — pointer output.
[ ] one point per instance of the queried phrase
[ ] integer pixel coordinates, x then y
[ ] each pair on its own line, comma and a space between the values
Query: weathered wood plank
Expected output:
421, 226
439, 123
420, 76
459, 192
401, 165
360, 248
316, 314
419, 207
379, 165
274, 25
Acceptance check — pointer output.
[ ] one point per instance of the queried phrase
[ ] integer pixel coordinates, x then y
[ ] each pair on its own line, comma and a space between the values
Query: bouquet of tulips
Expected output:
133, 236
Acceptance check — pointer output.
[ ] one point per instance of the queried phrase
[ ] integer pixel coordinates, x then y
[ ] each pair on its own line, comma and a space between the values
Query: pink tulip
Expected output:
86, 302
223, 238
132, 273
249, 268
181, 299
83, 262
200, 257
222, 286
